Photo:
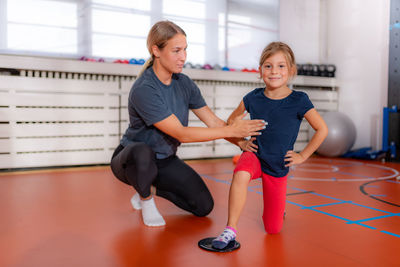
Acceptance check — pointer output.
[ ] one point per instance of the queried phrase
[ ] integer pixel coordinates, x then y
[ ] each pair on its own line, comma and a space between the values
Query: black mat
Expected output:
206, 244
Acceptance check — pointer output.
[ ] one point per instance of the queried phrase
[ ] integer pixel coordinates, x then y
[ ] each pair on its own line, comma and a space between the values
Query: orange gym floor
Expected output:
339, 213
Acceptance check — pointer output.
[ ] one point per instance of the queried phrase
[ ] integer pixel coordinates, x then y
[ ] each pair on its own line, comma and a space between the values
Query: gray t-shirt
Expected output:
151, 101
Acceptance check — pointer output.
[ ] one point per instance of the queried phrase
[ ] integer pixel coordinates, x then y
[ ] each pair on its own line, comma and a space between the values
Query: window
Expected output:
224, 32
44, 26
250, 28
119, 34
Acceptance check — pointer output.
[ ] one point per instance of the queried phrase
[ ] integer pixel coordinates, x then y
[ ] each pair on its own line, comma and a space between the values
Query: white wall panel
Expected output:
225, 149
196, 150
53, 159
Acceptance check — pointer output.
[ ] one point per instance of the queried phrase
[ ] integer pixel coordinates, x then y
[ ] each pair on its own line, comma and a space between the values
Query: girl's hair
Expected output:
158, 35
276, 47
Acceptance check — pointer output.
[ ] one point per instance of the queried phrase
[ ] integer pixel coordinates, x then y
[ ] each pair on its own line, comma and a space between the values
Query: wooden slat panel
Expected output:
207, 90
54, 159
225, 113
196, 150
5, 129
299, 146
42, 114
31, 84
209, 101
227, 101
302, 136
126, 86
50, 99
124, 113
225, 149
304, 125
231, 90
64, 129
322, 95
321, 105
49, 144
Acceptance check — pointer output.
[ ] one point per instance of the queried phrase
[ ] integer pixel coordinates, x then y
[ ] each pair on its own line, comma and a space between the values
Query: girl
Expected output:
158, 106
270, 155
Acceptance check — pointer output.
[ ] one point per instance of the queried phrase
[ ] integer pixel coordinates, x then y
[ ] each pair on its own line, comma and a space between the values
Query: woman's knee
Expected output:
204, 205
140, 153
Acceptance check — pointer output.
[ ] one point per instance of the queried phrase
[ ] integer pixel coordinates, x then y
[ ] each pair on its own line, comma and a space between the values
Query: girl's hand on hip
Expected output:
248, 145
293, 158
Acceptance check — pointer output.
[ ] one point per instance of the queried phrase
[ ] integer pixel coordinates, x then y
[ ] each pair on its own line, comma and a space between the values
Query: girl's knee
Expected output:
241, 178
272, 229
273, 226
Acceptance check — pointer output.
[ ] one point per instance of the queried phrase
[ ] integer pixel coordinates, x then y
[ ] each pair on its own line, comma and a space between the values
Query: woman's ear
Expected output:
156, 51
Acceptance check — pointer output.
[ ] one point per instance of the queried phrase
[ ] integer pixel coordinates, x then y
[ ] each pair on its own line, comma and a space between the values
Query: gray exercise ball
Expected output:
341, 136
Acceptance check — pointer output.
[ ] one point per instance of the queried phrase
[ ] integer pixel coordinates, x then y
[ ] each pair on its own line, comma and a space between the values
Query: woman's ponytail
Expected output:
146, 65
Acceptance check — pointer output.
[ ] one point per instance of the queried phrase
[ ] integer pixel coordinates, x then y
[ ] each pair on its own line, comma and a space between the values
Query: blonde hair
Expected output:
276, 47
159, 35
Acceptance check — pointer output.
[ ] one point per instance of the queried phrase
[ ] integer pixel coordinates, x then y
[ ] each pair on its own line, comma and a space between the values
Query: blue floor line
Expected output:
332, 215
367, 207
215, 179
327, 196
371, 219
389, 233
298, 189
367, 226
296, 204
329, 204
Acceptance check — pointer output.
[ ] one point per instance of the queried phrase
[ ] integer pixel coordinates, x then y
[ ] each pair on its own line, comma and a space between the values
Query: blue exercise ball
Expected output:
341, 136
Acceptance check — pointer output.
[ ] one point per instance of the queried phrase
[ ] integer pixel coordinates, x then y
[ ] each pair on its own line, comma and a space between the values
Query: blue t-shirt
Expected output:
151, 101
284, 117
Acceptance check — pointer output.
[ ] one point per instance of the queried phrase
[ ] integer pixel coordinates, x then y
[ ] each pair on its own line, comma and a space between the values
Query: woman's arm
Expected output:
211, 120
206, 115
321, 131
239, 128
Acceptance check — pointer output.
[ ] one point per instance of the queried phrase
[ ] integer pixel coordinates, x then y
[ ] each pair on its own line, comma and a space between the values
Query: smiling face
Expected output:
172, 56
275, 71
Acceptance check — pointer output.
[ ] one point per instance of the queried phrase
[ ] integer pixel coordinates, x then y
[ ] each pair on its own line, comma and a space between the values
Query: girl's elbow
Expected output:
325, 131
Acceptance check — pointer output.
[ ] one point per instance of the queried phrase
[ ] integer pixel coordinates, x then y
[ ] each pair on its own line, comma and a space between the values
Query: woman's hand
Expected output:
293, 158
248, 145
244, 128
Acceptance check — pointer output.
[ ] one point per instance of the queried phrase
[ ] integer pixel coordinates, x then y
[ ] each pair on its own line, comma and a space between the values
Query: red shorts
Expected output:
274, 191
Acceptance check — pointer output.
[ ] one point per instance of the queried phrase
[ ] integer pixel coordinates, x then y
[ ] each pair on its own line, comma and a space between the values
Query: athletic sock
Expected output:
228, 235
150, 214
135, 201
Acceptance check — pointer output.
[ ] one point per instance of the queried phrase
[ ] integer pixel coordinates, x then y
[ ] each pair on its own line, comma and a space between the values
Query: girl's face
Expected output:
173, 56
275, 71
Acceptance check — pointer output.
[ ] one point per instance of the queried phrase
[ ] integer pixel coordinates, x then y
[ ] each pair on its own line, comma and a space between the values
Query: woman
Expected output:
158, 105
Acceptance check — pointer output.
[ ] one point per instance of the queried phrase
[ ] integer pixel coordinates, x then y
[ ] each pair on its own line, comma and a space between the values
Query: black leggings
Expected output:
136, 165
